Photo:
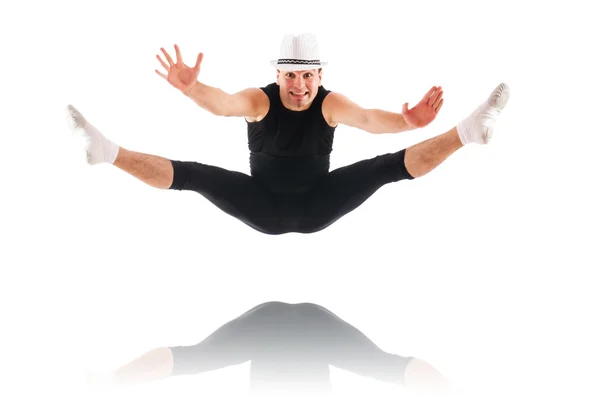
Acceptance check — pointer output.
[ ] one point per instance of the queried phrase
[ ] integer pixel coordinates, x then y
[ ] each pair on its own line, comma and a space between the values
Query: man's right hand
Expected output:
179, 75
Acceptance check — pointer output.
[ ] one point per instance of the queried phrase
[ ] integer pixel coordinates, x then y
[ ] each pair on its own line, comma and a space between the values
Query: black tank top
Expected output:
289, 150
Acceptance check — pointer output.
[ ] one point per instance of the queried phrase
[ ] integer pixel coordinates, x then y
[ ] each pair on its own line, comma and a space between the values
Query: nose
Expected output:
299, 83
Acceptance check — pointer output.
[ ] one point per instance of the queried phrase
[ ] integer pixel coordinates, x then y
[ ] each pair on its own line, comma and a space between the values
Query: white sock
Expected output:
99, 149
479, 126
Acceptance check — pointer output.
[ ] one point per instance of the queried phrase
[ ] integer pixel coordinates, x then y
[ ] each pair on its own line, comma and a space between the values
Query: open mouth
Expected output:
298, 95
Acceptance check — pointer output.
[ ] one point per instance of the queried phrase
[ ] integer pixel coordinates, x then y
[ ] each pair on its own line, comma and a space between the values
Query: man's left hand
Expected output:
426, 110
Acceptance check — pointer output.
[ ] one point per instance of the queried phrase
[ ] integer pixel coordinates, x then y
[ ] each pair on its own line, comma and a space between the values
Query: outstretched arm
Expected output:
338, 109
251, 102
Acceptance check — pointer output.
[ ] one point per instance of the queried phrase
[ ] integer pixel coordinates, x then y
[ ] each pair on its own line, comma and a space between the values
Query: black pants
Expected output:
305, 210
290, 343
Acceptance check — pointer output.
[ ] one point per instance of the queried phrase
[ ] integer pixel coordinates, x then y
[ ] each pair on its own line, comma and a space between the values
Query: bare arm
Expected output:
338, 109
251, 102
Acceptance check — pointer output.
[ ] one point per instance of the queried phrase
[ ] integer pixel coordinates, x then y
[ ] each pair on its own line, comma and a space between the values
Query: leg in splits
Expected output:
235, 193
346, 188
339, 193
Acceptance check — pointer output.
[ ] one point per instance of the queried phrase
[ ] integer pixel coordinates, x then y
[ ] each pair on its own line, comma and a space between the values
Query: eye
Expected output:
290, 75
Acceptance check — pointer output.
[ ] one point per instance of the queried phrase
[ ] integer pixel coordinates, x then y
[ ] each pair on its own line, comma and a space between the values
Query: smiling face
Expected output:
298, 88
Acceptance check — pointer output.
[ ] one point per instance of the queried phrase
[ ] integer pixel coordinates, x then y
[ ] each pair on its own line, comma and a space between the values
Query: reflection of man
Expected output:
290, 347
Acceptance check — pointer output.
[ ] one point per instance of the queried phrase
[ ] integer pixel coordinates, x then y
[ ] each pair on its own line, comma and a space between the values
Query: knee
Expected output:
395, 164
183, 172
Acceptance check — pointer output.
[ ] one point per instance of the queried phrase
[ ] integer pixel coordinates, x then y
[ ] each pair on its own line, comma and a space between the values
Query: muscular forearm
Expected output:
382, 122
212, 99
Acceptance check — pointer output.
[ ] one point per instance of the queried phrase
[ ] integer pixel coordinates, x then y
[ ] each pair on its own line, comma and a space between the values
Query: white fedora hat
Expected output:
299, 52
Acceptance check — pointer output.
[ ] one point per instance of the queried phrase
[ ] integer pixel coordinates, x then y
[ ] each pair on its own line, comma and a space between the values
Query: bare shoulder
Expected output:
336, 107
256, 103
332, 101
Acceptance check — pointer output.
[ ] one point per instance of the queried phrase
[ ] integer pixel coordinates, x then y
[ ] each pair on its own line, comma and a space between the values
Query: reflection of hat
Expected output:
299, 53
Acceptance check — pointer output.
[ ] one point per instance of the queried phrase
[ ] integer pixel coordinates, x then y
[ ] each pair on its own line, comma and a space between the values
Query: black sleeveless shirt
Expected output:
289, 150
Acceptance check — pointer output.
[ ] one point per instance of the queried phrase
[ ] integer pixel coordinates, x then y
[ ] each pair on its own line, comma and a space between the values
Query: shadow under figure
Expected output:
291, 347
290, 128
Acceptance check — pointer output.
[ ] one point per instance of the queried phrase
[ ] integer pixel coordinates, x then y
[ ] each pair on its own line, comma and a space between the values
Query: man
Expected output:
291, 348
291, 125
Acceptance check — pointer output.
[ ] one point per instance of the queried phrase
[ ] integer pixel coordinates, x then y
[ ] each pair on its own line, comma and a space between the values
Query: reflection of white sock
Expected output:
479, 126
99, 148
101, 380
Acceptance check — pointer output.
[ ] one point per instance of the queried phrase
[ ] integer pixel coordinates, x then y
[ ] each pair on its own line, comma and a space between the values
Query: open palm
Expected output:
179, 75
426, 110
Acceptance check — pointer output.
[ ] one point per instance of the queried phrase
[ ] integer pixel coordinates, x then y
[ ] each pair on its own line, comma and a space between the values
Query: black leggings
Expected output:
296, 341
273, 212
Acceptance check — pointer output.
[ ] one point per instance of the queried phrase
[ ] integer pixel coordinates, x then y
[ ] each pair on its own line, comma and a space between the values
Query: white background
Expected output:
484, 268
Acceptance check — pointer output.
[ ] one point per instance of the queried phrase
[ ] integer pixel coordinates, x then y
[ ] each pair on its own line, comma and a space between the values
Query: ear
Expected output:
277, 77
